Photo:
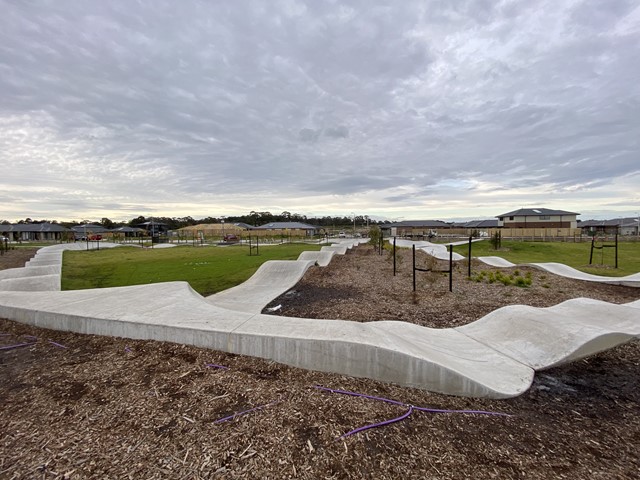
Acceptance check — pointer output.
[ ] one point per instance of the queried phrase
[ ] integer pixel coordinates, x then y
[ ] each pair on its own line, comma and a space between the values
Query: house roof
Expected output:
127, 229
93, 228
535, 212
481, 224
418, 224
33, 227
285, 225
614, 222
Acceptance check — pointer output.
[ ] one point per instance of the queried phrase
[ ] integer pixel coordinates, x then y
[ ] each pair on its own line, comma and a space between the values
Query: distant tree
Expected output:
137, 221
106, 223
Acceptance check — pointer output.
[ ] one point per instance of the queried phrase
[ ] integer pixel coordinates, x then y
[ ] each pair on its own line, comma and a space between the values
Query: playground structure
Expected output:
496, 356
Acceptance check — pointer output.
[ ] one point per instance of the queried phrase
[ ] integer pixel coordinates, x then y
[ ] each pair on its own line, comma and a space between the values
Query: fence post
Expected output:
450, 267
469, 257
414, 266
394, 260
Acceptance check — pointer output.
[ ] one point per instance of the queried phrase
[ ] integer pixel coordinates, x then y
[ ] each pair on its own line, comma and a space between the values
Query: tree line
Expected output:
253, 218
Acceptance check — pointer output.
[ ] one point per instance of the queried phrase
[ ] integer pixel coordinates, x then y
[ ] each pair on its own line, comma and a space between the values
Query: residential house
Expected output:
415, 228
538, 218
34, 232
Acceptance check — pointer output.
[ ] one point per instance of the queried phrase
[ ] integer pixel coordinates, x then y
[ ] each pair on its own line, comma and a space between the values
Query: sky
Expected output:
394, 110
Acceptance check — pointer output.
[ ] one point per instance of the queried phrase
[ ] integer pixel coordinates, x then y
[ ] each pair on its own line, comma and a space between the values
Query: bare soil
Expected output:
82, 406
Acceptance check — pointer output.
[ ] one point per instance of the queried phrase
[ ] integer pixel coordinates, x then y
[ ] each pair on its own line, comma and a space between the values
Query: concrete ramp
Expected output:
322, 259
406, 354
271, 280
29, 272
36, 283
546, 337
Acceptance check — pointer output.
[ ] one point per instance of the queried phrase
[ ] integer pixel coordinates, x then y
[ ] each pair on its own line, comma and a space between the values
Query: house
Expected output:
538, 218
208, 230
81, 232
34, 232
622, 226
297, 229
414, 228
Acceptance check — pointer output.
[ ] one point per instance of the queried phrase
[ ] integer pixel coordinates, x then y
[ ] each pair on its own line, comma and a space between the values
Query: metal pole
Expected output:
414, 266
591, 254
616, 250
469, 257
451, 268
394, 258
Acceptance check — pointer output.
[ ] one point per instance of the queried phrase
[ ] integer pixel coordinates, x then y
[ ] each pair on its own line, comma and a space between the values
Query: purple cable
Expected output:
213, 365
381, 424
354, 394
57, 344
127, 349
231, 417
395, 402
11, 347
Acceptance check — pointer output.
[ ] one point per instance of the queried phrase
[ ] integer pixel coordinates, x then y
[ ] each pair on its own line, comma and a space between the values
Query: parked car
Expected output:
231, 238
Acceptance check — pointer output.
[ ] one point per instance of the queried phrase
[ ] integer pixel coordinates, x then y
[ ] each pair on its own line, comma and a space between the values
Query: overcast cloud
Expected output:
409, 109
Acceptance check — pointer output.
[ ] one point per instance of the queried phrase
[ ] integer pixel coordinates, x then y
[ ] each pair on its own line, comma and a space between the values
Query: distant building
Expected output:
291, 228
538, 218
621, 226
34, 232
414, 228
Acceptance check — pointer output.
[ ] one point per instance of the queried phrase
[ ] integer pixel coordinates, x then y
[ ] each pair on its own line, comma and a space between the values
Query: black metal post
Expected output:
616, 250
469, 258
591, 254
451, 268
394, 260
414, 265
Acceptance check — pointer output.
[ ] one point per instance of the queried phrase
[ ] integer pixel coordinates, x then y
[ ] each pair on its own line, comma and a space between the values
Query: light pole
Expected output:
354, 223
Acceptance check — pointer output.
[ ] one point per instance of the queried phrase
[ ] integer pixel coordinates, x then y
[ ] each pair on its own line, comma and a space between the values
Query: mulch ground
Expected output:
82, 406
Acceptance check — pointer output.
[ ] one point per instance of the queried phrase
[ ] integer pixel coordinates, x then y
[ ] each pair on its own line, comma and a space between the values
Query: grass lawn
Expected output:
207, 269
575, 255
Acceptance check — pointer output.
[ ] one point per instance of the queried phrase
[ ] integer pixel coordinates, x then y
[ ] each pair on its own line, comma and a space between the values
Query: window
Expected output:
545, 217
511, 218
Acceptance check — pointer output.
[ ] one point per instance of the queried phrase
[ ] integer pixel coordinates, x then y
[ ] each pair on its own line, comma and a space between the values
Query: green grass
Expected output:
575, 255
207, 269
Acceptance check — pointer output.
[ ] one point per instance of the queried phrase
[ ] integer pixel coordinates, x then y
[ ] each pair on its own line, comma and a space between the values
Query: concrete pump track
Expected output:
496, 356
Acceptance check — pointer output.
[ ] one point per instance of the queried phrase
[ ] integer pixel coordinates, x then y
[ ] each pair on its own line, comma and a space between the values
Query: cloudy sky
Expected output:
400, 109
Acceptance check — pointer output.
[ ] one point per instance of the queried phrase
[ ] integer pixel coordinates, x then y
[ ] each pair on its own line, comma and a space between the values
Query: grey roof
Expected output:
33, 227
418, 224
535, 212
481, 224
127, 229
93, 228
244, 225
614, 222
286, 225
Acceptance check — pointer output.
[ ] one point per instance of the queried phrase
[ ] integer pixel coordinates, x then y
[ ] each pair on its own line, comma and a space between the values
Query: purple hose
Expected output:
213, 365
57, 344
381, 424
395, 402
11, 347
231, 417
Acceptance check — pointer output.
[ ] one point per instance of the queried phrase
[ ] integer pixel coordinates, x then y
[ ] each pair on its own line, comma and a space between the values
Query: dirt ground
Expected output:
82, 406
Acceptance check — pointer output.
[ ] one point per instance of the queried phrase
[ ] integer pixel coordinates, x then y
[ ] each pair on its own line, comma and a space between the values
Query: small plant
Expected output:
516, 273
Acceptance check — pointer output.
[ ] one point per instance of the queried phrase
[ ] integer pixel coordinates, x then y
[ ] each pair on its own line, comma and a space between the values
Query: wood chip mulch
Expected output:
82, 406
